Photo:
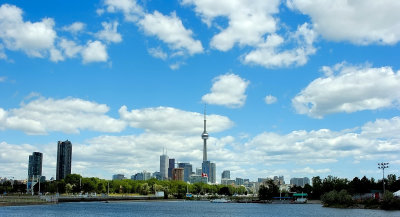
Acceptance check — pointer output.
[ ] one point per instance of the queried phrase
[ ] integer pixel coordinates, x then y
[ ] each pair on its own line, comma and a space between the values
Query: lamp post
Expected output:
383, 166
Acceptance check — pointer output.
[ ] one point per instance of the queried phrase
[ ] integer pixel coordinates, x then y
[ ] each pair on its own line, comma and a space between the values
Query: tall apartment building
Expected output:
64, 159
35, 166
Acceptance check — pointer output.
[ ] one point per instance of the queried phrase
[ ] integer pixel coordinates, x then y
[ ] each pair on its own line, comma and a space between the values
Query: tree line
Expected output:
76, 184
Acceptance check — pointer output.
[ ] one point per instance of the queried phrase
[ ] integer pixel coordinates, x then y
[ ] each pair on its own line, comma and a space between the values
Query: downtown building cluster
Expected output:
170, 169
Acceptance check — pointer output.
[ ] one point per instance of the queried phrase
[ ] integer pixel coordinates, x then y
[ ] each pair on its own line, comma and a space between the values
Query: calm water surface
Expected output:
196, 209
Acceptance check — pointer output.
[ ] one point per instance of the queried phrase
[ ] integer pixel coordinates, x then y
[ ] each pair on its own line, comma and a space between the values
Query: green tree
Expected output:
268, 190
317, 187
68, 188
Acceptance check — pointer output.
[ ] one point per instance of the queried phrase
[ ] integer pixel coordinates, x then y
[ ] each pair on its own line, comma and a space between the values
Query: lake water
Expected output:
187, 208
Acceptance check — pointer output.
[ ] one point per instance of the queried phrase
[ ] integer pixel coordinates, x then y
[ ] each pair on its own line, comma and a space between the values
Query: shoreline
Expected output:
28, 201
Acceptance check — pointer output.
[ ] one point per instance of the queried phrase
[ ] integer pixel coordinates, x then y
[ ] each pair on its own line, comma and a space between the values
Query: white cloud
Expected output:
109, 33
70, 48
170, 30
131, 10
133, 153
248, 21
348, 89
35, 39
14, 159
310, 171
227, 90
324, 145
158, 53
2, 79
2, 53
269, 99
269, 54
56, 55
360, 22
39, 39
75, 28
253, 24
176, 65
383, 128
69, 115
95, 51
172, 120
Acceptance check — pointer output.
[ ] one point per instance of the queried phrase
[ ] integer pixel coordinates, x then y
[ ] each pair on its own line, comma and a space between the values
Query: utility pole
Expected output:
40, 177
383, 166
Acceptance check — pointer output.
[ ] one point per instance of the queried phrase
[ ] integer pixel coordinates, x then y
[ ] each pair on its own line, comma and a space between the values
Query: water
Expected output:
195, 209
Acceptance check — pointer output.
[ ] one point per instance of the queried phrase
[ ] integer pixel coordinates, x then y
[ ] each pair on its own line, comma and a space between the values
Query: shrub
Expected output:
337, 199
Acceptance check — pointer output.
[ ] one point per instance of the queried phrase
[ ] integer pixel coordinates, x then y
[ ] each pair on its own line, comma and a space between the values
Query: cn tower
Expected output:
204, 136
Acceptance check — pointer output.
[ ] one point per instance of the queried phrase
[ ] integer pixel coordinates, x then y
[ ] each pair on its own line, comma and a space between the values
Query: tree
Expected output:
225, 191
68, 188
268, 190
317, 187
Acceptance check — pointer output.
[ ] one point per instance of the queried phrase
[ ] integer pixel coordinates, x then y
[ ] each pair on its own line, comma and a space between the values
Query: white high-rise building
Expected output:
164, 162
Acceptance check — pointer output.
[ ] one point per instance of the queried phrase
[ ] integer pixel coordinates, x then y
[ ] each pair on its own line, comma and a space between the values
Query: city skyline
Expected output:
292, 88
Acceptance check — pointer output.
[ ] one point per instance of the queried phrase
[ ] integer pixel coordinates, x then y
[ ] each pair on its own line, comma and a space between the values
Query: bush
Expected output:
337, 199
390, 202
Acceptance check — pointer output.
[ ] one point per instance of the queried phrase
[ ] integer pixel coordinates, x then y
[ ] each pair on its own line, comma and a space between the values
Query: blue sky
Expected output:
295, 88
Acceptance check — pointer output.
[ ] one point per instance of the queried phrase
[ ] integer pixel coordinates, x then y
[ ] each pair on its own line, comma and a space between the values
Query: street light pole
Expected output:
383, 166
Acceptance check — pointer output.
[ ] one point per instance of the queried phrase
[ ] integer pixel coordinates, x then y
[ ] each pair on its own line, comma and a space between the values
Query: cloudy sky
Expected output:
295, 88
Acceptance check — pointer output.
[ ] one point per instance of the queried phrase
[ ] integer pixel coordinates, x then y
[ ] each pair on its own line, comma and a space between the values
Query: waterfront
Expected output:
186, 208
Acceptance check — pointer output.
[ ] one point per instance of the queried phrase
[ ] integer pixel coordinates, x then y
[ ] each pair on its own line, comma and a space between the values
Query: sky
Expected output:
298, 88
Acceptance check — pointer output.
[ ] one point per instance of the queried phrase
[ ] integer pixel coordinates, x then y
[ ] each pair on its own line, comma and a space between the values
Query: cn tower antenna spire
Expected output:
204, 136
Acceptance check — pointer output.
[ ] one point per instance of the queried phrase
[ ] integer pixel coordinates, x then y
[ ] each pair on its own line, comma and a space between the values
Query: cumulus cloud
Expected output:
325, 146
269, 99
227, 90
346, 88
248, 21
173, 121
135, 153
35, 39
170, 30
131, 10
14, 159
253, 24
75, 28
95, 51
109, 33
2, 53
382, 128
158, 53
360, 22
271, 55
39, 39
70, 48
310, 171
69, 115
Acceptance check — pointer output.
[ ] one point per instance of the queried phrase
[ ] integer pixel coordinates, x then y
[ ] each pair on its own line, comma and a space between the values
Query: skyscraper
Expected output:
171, 166
205, 167
198, 171
178, 174
64, 159
213, 173
188, 169
35, 166
164, 166
226, 174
